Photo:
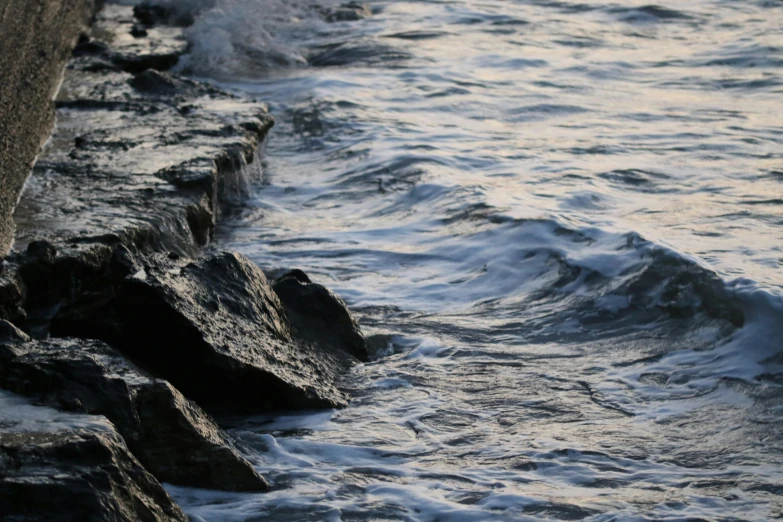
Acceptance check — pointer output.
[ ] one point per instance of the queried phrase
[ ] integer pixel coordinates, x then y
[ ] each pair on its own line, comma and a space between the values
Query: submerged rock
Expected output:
347, 12
172, 437
72, 468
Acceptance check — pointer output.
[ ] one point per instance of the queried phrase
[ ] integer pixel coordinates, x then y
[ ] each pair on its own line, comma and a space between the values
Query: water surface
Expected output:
561, 224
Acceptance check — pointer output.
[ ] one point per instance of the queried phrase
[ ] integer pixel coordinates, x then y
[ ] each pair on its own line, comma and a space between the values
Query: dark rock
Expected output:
42, 251
149, 14
349, 12
172, 437
11, 334
72, 468
214, 328
317, 315
217, 331
135, 63
12, 294
139, 31
90, 48
157, 83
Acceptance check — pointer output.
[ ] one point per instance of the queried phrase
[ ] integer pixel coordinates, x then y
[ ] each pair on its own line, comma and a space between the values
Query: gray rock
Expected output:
172, 437
37, 38
318, 316
218, 332
129, 141
11, 334
72, 468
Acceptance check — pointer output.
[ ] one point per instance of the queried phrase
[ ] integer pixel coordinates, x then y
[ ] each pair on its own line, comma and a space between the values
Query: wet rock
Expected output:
11, 334
172, 437
36, 40
149, 14
108, 178
348, 12
318, 316
12, 293
217, 331
153, 13
69, 468
157, 83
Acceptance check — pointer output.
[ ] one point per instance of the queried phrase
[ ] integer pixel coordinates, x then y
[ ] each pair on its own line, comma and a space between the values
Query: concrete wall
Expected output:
36, 38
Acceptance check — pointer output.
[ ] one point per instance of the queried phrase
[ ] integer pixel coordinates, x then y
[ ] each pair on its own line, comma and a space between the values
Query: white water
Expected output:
560, 222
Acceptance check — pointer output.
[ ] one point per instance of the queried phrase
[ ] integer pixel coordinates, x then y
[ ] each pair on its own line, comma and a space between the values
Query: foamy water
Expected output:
562, 225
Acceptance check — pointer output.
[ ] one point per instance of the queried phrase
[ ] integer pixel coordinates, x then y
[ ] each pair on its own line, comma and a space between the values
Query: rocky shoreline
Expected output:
121, 329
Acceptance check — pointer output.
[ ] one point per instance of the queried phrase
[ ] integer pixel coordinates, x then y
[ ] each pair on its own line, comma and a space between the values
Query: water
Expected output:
562, 225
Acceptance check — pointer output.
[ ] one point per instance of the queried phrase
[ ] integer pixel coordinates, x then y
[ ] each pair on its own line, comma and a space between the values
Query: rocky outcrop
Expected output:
318, 316
70, 467
171, 436
37, 38
214, 328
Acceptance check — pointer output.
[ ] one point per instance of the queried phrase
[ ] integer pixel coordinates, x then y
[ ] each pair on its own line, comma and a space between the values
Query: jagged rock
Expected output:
172, 437
107, 179
217, 331
317, 315
72, 468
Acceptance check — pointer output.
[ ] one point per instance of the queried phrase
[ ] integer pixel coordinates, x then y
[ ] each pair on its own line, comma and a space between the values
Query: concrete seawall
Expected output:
36, 39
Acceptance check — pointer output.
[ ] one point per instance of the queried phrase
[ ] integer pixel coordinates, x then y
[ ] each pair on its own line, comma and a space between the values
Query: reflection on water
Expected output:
562, 225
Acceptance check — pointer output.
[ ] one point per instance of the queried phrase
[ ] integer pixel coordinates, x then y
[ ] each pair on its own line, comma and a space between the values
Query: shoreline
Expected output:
112, 306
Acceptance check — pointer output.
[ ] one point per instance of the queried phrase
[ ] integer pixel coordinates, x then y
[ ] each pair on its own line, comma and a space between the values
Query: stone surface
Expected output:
214, 328
139, 156
172, 437
142, 159
318, 316
37, 38
72, 468
217, 331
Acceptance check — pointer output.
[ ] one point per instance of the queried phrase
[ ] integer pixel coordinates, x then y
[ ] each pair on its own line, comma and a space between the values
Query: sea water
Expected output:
560, 223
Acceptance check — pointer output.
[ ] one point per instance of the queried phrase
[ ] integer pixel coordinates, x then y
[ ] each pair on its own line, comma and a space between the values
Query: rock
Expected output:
11, 334
217, 331
149, 14
317, 315
12, 294
349, 12
72, 468
156, 83
37, 38
172, 437
108, 178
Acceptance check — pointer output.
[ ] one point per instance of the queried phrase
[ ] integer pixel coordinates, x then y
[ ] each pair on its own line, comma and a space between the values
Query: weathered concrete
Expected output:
36, 38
